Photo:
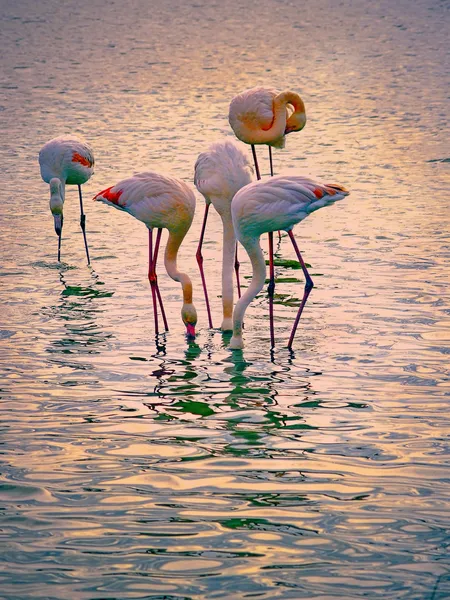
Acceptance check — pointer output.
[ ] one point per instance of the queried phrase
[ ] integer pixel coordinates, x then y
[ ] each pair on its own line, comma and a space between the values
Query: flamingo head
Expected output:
296, 122
189, 316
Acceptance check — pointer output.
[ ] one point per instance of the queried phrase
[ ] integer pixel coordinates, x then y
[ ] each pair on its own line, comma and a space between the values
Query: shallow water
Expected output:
136, 467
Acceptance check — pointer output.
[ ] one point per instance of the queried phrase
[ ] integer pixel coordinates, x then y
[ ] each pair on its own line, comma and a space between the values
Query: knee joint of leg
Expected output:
271, 288
309, 285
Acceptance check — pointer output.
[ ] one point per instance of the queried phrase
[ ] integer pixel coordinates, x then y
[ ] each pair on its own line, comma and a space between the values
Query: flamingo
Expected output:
66, 160
266, 206
264, 116
219, 174
159, 202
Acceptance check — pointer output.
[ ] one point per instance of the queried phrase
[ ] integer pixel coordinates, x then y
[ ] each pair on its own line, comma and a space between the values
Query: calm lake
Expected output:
142, 468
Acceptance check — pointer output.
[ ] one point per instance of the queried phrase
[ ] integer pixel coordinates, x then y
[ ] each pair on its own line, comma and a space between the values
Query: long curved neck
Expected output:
170, 262
228, 257
257, 283
57, 194
297, 119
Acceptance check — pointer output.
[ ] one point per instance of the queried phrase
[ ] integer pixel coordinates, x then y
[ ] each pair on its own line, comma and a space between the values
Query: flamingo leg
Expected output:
271, 174
59, 239
271, 289
158, 293
83, 224
199, 257
237, 264
152, 278
258, 175
308, 287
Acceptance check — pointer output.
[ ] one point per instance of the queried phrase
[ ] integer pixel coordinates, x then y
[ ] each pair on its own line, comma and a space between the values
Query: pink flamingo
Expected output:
159, 202
265, 206
264, 116
219, 174
66, 160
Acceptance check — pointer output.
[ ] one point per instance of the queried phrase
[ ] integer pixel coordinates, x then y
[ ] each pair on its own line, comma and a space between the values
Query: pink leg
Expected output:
271, 174
158, 293
83, 225
271, 289
237, 264
199, 257
308, 287
151, 278
258, 176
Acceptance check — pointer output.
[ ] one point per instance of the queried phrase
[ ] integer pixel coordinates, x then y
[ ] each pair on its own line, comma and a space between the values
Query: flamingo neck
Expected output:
188, 312
297, 120
228, 258
57, 194
258, 278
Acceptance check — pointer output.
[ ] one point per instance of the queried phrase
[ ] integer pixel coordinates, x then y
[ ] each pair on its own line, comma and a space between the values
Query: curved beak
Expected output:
190, 330
58, 224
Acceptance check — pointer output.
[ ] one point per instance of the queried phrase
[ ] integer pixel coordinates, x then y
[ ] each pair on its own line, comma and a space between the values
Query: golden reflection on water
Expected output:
136, 464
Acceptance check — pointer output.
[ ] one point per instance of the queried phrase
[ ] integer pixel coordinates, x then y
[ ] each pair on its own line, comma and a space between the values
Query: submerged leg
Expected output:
155, 278
258, 176
308, 287
83, 224
237, 264
151, 278
271, 289
199, 257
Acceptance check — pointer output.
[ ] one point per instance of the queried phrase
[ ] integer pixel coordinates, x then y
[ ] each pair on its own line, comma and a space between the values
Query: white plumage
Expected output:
219, 173
160, 202
266, 206
65, 160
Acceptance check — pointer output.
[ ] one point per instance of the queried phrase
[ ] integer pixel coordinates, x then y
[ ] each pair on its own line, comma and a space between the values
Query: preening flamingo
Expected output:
66, 160
264, 116
266, 206
159, 202
219, 173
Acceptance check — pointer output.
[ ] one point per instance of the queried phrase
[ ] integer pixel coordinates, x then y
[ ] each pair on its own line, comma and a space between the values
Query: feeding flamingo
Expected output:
264, 116
265, 206
66, 160
219, 174
159, 202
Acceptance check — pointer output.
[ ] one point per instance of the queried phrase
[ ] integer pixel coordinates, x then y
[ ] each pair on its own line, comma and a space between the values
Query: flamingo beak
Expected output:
190, 330
58, 224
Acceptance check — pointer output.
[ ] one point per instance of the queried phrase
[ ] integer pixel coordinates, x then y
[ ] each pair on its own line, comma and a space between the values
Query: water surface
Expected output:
136, 467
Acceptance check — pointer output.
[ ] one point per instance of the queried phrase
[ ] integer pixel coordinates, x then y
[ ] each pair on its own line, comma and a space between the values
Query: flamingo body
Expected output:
68, 159
160, 202
219, 173
270, 205
65, 160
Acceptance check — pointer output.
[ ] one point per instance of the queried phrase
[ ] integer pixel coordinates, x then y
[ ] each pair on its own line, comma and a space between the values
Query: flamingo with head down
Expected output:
266, 206
66, 160
160, 202
219, 173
